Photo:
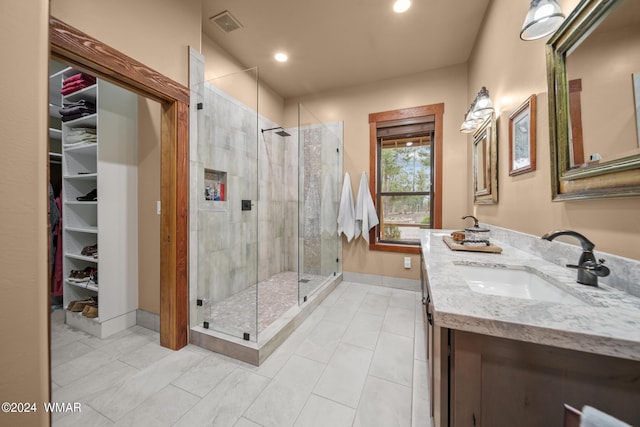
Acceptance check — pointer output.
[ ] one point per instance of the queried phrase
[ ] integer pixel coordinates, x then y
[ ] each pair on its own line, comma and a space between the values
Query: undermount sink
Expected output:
516, 281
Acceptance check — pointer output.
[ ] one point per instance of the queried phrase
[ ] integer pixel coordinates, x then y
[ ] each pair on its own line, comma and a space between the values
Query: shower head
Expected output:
280, 132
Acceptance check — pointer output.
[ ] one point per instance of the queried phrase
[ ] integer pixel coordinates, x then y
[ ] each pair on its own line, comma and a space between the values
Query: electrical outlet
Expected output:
407, 262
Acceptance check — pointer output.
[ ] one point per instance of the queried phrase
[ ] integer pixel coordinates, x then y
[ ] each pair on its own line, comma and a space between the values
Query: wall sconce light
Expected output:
543, 18
480, 108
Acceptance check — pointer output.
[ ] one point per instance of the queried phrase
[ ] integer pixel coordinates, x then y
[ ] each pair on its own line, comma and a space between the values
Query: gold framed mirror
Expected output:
485, 163
593, 113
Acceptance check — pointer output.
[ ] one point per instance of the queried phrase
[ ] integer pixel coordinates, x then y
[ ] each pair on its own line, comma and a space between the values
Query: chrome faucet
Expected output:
588, 268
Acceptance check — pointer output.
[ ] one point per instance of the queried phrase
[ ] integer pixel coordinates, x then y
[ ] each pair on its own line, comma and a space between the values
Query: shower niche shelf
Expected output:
215, 189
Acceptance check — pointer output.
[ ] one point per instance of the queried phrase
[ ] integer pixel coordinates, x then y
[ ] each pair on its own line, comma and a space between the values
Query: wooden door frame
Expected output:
88, 54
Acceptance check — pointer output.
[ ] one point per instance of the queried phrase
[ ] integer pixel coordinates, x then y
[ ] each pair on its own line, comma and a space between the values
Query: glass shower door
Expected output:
227, 217
319, 175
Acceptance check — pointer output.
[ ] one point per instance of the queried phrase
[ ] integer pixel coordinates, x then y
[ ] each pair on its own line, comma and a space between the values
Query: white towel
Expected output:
346, 215
591, 417
366, 215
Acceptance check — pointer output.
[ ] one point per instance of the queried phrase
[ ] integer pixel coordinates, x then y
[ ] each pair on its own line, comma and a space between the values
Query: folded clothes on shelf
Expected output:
80, 135
73, 140
75, 110
70, 117
82, 106
76, 82
78, 77
81, 131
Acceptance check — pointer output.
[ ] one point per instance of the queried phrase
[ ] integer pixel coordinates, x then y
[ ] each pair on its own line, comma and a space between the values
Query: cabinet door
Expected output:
466, 380
497, 382
430, 360
428, 330
439, 365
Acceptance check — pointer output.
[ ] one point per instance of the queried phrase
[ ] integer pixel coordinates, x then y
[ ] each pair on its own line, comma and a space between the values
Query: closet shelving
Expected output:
107, 166
55, 128
79, 177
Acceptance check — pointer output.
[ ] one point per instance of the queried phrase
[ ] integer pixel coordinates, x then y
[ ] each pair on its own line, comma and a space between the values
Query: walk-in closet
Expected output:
94, 201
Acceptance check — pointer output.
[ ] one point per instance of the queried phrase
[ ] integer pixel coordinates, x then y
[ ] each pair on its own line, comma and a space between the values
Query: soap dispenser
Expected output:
475, 235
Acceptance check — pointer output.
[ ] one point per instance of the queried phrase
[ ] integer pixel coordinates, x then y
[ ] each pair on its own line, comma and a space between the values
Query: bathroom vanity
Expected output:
511, 337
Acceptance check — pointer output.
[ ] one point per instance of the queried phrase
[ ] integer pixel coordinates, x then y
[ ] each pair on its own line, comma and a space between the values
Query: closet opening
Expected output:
94, 58
104, 170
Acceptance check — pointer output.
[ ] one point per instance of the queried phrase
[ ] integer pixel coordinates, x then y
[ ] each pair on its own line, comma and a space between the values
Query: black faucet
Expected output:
588, 268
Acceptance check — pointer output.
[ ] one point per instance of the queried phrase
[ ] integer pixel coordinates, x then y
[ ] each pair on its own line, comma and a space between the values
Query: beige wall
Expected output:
168, 26
353, 105
512, 70
24, 306
229, 75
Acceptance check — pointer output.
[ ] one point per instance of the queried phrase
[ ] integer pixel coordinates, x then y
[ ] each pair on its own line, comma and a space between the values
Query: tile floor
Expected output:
358, 360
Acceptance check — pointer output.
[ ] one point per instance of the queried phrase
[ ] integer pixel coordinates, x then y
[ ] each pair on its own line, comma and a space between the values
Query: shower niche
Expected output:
215, 185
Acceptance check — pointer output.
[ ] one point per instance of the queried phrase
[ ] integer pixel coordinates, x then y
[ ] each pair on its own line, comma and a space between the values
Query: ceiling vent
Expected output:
226, 22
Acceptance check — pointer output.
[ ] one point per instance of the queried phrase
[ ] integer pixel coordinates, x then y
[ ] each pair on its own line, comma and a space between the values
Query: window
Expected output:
404, 188
406, 175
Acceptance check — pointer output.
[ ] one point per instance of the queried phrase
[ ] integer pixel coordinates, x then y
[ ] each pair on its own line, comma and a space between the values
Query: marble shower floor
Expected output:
276, 295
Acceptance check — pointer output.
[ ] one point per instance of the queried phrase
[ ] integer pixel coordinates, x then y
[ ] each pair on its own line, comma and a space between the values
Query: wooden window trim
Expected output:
79, 49
409, 115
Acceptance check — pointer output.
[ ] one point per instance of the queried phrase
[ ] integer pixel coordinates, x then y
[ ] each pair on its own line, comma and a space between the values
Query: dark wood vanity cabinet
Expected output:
498, 382
437, 350
480, 380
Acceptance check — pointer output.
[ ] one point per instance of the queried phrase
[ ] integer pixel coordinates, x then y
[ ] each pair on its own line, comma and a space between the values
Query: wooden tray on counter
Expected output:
455, 246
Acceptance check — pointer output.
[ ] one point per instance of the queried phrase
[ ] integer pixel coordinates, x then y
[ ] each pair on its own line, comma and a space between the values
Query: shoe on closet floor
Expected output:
79, 305
90, 311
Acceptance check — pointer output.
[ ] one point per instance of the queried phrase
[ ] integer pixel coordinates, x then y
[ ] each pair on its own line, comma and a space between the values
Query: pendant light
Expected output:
543, 18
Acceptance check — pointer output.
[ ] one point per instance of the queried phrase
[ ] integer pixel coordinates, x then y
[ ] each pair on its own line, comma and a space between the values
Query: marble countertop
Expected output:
605, 321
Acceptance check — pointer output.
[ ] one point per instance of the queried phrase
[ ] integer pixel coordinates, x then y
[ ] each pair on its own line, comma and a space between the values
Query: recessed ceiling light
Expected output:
401, 6
409, 144
281, 57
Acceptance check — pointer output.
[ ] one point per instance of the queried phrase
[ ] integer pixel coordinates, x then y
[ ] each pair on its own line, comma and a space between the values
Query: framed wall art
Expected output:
522, 138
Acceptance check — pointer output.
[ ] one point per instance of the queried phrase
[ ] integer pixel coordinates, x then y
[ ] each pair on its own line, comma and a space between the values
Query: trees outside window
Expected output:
405, 175
404, 194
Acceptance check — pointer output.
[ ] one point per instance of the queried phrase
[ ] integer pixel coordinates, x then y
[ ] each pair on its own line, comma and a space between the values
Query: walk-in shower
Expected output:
264, 248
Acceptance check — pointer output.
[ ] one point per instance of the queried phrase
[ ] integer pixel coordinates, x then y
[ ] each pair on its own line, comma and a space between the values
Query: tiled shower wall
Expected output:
320, 179
274, 217
228, 236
